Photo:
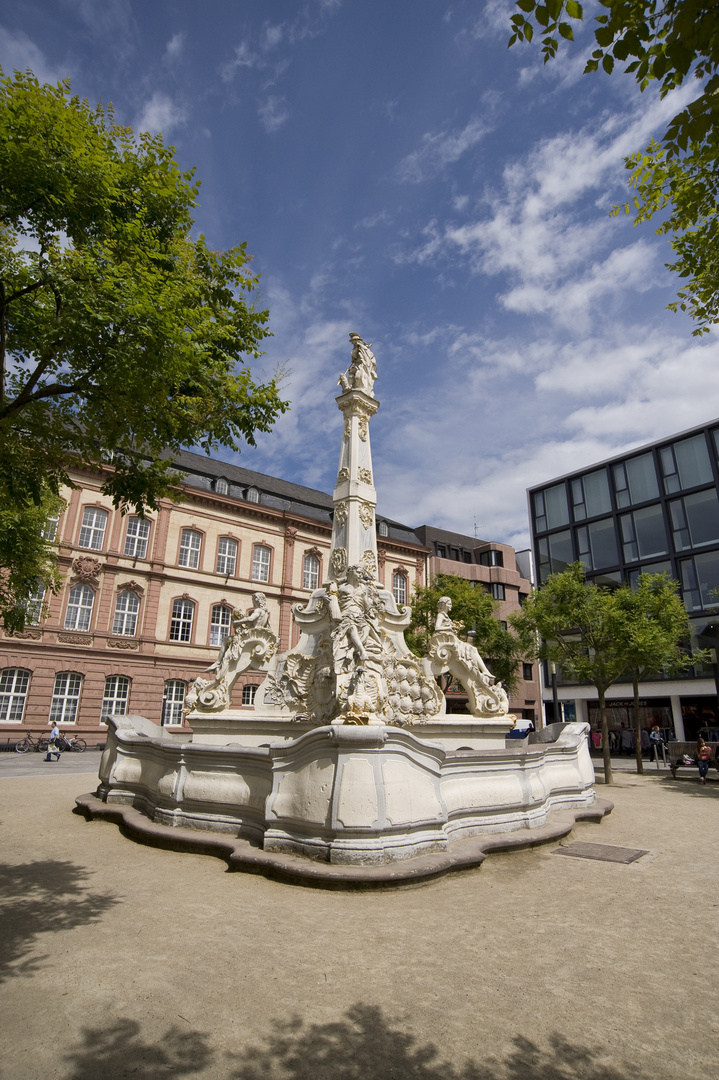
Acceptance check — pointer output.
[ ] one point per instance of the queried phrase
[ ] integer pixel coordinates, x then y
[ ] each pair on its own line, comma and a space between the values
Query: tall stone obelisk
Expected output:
354, 538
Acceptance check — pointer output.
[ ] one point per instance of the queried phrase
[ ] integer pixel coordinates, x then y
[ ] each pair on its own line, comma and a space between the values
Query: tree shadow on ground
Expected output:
364, 1044
689, 785
119, 1051
42, 898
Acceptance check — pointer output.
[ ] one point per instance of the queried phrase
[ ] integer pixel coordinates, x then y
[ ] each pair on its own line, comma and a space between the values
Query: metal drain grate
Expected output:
602, 852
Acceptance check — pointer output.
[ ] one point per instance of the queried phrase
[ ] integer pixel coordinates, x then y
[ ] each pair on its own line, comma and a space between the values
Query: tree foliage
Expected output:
656, 632
665, 42
121, 336
599, 635
27, 560
476, 612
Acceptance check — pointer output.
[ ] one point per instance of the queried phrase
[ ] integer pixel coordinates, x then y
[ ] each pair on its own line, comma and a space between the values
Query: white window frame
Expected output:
115, 698
127, 608
310, 572
173, 700
136, 537
226, 556
49, 530
65, 697
34, 606
261, 559
249, 692
220, 623
252, 495
221, 486
183, 616
190, 547
78, 614
92, 530
14, 684
399, 587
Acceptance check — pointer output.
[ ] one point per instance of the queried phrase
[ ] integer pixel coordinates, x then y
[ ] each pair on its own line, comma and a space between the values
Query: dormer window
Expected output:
252, 495
221, 486
382, 528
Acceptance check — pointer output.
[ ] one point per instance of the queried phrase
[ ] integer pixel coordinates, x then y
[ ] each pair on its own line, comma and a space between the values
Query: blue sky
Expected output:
395, 170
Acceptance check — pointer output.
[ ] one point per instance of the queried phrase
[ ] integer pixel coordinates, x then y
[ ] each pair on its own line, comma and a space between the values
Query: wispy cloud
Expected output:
440, 149
273, 113
160, 114
175, 47
18, 52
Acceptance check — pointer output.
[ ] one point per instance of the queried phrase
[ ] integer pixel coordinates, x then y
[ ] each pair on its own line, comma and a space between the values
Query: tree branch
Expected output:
20, 292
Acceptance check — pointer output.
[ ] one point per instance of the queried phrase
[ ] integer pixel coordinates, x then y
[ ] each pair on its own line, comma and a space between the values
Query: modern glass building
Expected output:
652, 510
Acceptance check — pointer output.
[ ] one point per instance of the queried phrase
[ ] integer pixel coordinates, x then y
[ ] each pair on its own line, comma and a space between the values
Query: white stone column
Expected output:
581, 711
354, 537
677, 717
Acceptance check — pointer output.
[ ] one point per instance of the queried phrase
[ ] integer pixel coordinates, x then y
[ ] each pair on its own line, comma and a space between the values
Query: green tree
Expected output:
121, 336
656, 631
27, 560
476, 612
666, 42
582, 628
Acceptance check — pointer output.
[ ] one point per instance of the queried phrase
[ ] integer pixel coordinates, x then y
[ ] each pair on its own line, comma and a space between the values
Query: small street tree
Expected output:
122, 337
476, 612
656, 631
582, 627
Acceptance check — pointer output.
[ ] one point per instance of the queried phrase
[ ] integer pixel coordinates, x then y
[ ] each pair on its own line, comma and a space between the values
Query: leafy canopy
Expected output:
474, 610
121, 336
665, 42
119, 332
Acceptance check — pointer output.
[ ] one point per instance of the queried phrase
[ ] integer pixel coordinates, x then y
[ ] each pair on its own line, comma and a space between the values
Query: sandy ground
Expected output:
119, 960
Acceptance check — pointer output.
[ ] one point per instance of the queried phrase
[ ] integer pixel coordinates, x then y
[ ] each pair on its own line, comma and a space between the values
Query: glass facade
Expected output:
652, 512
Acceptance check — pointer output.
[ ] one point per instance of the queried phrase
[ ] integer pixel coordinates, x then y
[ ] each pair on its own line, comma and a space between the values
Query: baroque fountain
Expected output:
348, 770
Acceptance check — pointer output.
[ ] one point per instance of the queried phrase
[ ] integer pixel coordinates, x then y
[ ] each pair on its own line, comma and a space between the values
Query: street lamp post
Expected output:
555, 699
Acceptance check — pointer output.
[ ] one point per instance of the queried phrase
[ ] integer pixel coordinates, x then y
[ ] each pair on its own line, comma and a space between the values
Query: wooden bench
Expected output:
677, 750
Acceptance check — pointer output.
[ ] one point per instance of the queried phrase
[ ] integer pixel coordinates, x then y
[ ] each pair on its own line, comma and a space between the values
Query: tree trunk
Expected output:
637, 728
608, 778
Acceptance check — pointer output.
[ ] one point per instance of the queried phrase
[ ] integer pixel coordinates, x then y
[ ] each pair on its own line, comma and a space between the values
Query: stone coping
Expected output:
242, 855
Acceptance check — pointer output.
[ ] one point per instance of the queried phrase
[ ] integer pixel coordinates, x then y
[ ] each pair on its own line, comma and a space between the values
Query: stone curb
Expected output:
242, 855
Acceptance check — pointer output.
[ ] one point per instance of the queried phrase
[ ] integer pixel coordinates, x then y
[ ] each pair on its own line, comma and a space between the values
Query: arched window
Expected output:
79, 608
183, 612
260, 563
114, 701
382, 528
253, 495
92, 531
127, 606
136, 538
172, 702
190, 544
248, 694
221, 486
49, 531
65, 697
310, 572
226, 556
399, 587
13, 691
219, 624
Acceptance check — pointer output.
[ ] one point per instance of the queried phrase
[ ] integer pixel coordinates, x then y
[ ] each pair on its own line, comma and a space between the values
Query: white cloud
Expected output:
160, 114
18, 53
175, 46
440, 149
273, 113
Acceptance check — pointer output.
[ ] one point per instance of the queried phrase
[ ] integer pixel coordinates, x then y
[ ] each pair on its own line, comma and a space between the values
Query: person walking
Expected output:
53, 747
704, 754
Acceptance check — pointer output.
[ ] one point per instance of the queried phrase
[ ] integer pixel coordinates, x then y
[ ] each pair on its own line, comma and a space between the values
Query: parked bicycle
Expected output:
72, 743
41, 744
28, 743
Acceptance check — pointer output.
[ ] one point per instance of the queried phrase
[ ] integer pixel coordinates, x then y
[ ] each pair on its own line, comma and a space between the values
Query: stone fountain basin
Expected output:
365, 796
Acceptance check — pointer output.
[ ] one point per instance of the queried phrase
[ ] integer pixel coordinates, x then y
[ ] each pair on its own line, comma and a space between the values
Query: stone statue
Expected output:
355, 611
448, 653
362, 372
251, 646
465, 650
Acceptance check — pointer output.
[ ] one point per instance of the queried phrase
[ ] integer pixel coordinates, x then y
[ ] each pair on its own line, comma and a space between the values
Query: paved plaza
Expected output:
120, 960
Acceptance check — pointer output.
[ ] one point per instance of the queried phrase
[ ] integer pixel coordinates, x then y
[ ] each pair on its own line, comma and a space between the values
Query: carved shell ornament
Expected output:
366, 513
86, 568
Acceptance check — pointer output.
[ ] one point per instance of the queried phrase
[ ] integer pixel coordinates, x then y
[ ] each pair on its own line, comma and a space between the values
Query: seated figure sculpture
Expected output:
252, 643
448, 653
362, 372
